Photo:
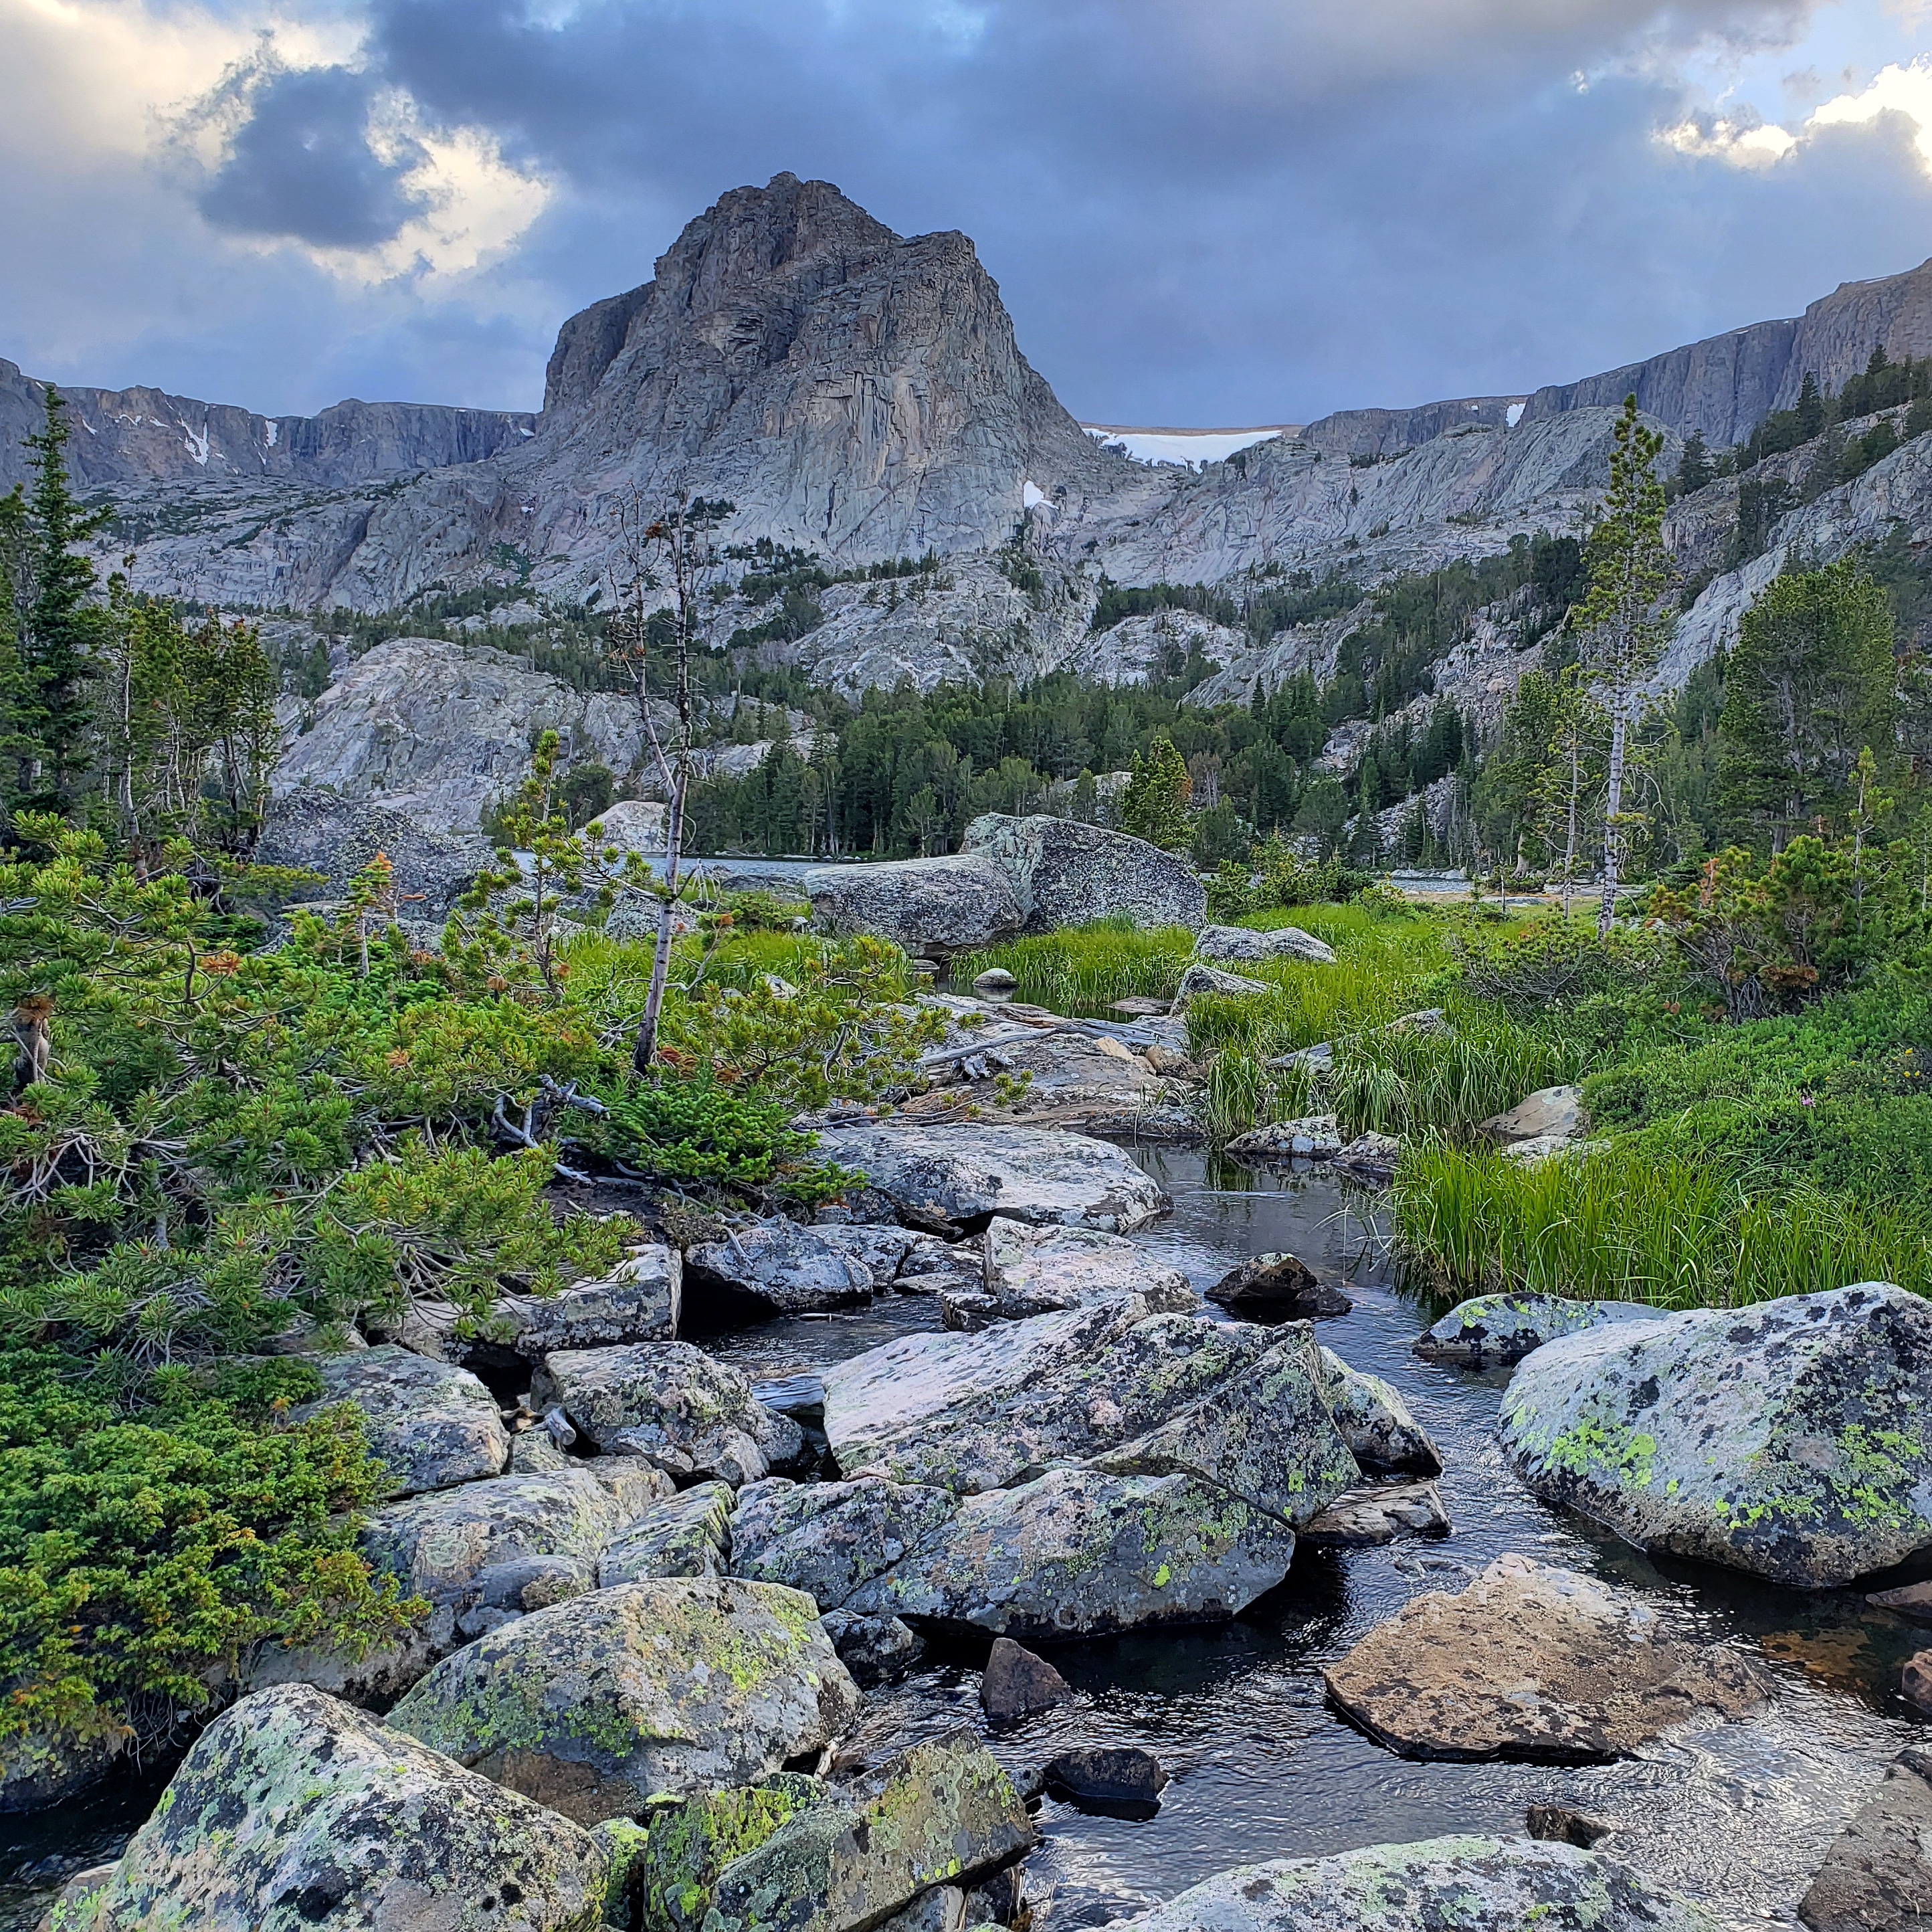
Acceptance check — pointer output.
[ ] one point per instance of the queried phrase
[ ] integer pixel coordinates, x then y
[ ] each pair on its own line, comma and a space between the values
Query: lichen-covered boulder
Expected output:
1313, 1137
979, 1411
293, 1811
1375, 1422
1063, 873
689, 1534
827, 1538
690, 1843
40, 1768
1240, 942
596, 1705
1532, 1662
951, 1180
1217, 982
486, 1552
945, 1814
431, 1425
931, 906
1039, 1270
1474, 1884
775, 1268
1877, 1876
1079, 1553
1497, 1331
640, 1299
668, 1400
1792, 1439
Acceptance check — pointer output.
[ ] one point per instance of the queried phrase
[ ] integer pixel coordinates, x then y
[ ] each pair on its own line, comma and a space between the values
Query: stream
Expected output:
1738, 1814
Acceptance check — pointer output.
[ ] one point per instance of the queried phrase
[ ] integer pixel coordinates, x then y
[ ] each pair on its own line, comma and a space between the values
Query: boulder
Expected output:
1473, 1884
1201, 978
974, 1412
1533, 1663
594, 1706
776, 1267
1561, 1825
875, 1649
1240, 942
1365, 1517
1063, 873
1081, 1553
640, 1301
691, 1843
1370, 1157
631, 825
1915, 1682
951, 1180
293, 1809
1276, 1287
1041, 1270
1877, 1876
1792, 1439
1497, 1331
689, 1534
667, 1400
827, 1538
994, 979
1375, 1422
945, 1814
430, 1425
1313, 1137
43, 1767
487, 1552
1121, 1779
318, 830
1016, 1685
1549, 1113
1913, 1601
929, 906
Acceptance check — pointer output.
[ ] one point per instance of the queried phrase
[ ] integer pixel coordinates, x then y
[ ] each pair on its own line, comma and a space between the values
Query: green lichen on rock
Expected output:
691, 1842
293, 1809
595, 1705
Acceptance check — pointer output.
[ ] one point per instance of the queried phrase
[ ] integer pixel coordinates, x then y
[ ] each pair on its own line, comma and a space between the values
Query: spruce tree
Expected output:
1810, 410
1154, 805
1694, 470
1621, 625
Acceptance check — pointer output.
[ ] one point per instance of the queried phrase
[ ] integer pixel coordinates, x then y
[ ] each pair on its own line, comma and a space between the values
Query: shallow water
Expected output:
1737, 1814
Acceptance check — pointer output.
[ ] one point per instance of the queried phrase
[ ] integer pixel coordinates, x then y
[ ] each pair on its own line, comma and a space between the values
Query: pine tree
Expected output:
1621, 627
1694, 470
1810, 410
1154, 805
1810, 683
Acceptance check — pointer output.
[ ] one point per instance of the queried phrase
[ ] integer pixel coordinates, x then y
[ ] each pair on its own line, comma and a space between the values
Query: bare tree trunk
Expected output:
1569, 824
1613, 805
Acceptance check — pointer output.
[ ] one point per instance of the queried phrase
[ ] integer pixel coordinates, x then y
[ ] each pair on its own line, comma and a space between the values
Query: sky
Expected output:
1200, 212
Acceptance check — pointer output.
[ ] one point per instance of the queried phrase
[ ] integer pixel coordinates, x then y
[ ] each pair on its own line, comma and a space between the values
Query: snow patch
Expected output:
1188, 448
1030, 493
197, 446
275, 430
1513, 414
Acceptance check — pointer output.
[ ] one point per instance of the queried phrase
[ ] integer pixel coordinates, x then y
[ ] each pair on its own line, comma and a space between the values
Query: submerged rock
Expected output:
689, 1534
1534, 1662
1276, 1287
1079, 1552
430, 1425
1108, 1778
594, 1706
1792, 1439
828, 1538
951, 1180
292, 1810
1877, 1876
1497, 1331
945, 1814
1474, 1884
1016, 1685
1240, 942
668, 1398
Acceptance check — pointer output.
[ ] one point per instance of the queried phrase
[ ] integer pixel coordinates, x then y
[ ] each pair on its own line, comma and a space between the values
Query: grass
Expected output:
1617, 1225
1084, 969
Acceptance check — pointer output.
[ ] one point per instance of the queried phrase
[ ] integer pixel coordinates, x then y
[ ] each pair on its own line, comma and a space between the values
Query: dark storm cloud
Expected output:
300, 164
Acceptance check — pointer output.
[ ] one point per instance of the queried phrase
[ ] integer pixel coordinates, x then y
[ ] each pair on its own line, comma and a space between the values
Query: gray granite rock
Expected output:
1064, 873
1877, 1876
928, 906
292, 1809
826, 1539
1497, 1331
1792, 1439
875, 1649
1033, 1269
1201, 978
595, 1705
779, 1268
1240, 942
1363, 1518
1016, 1685
430, 1425
1375, 1422
1550, 1111
687, 1534
1277, 1287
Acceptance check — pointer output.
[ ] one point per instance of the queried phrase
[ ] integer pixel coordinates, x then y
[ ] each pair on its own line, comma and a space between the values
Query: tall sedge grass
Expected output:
1616, 1225
1085, 968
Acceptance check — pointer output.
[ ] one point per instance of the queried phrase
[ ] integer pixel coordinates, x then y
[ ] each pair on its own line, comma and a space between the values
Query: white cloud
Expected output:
1745, 142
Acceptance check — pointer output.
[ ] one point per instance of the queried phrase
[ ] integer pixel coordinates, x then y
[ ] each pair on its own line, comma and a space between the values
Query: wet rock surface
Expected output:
1278, 1287
1364, 1518
1118, 1778
1877, 1876
593, 1706
1016, 1684
1497, 1331
293, 1809
1535, 1662
1474, 1884
1792, 1439
431, 1425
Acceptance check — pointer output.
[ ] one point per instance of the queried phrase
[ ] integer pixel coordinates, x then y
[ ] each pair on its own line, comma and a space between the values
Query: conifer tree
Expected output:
1154, 805
1621, 625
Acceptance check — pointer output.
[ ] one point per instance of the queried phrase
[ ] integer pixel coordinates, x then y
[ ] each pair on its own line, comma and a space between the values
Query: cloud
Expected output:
1904, 90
